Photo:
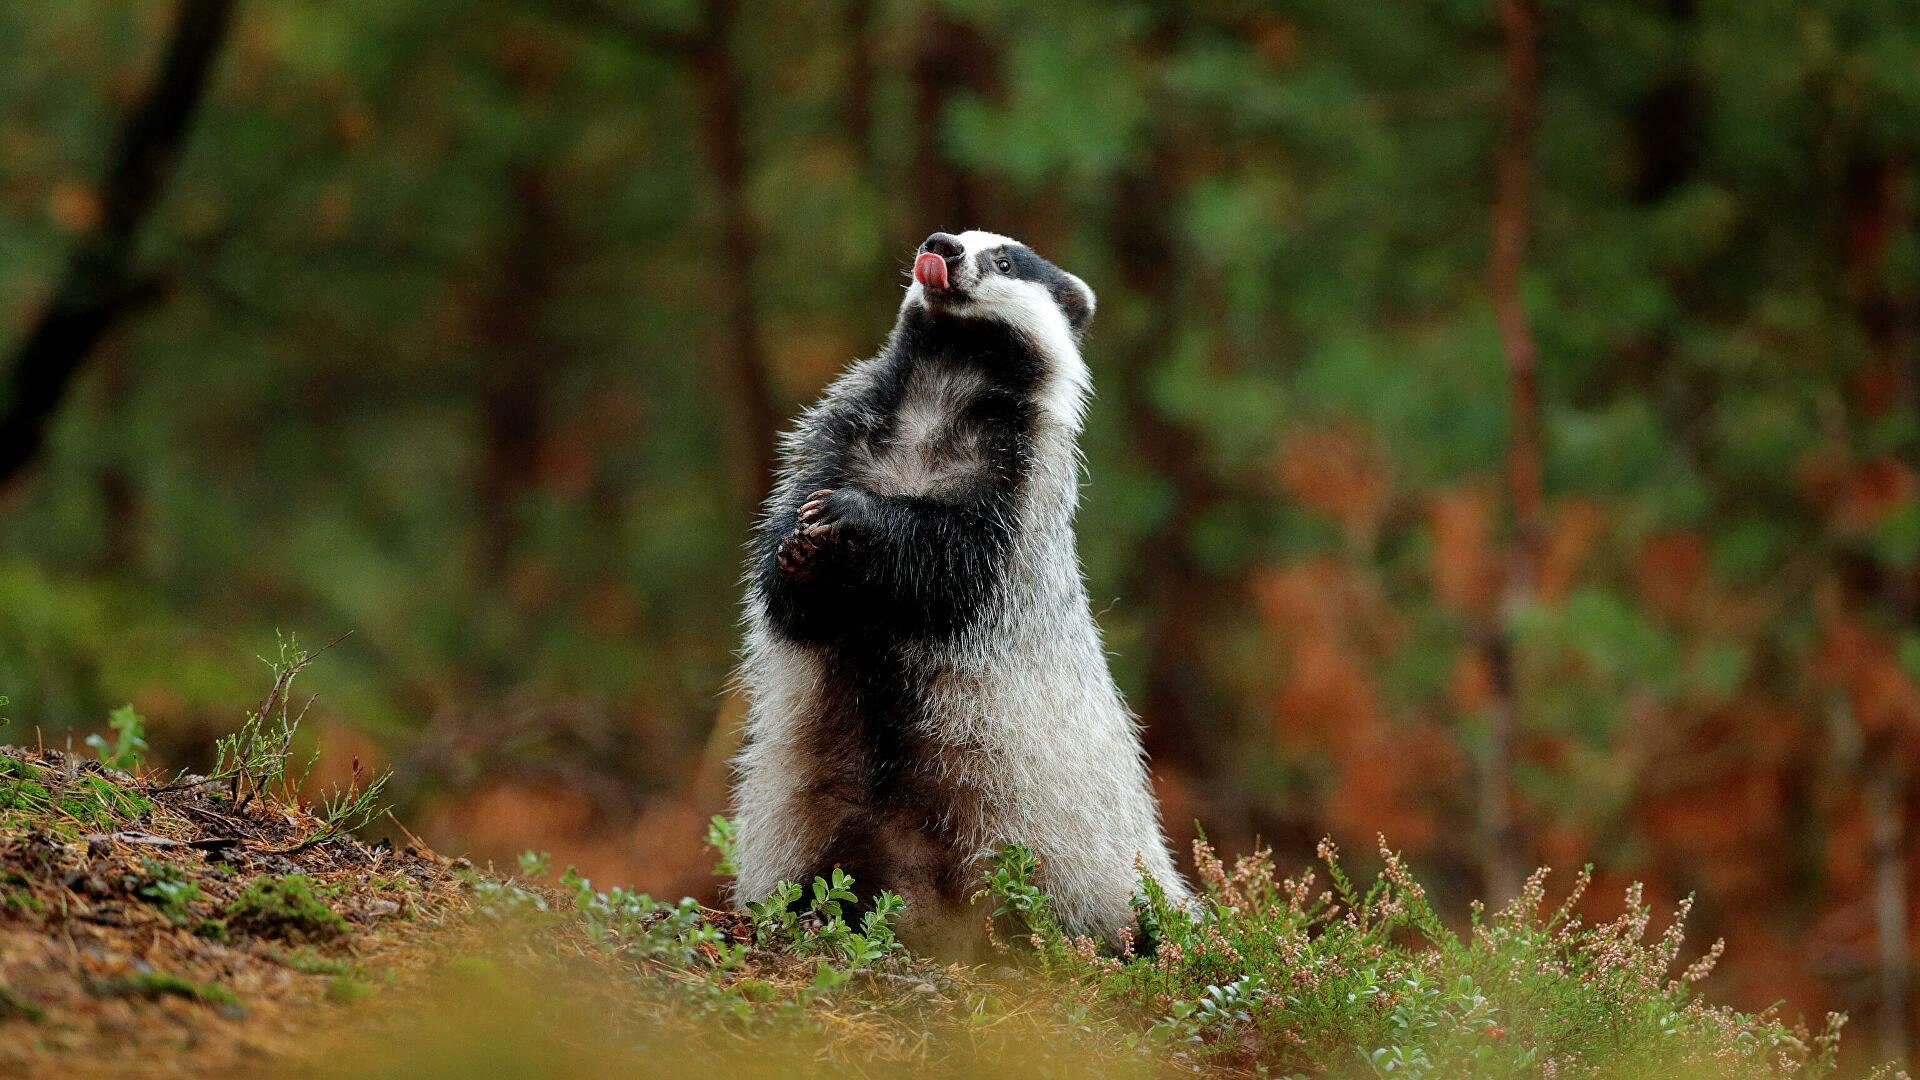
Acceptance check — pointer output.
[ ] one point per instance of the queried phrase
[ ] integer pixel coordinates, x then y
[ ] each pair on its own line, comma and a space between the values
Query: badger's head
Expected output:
982, 275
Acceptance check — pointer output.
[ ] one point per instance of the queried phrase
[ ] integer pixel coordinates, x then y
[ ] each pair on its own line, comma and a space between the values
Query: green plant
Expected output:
1010, 884
503, 900
722, 836
823, 927
637, 925
254, 758
1218, 1006
344, 810
129, 740
1270, 973
774, 919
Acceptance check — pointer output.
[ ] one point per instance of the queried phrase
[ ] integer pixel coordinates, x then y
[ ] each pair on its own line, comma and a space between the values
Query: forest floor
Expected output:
162, 926
180, 925
146, 926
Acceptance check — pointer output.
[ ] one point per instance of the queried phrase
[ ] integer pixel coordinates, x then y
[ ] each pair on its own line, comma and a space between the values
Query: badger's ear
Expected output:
1076, 299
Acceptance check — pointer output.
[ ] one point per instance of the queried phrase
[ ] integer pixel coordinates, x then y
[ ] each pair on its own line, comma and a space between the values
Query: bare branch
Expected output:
1502, 842
100, 286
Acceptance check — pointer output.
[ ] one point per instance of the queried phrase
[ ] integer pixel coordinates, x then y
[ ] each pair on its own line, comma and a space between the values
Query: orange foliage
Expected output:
1877, 388
341, 747
74, 207
1670, 573
1275, 38
1333, 626
1571, 530
1466, 563
1856, 496
1341, 472
1472, 686
661, 850
1864, 665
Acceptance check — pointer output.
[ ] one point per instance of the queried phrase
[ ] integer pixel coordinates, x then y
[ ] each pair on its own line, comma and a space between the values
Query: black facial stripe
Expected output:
1028, 266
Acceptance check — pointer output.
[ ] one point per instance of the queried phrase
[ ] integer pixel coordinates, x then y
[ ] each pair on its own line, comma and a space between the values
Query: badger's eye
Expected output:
1005, 265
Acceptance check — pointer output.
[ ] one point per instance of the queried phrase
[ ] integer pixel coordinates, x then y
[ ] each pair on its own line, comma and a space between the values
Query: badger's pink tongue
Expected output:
930, 270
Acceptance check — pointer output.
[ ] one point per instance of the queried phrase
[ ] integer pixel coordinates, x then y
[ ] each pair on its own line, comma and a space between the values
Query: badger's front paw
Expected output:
817, 528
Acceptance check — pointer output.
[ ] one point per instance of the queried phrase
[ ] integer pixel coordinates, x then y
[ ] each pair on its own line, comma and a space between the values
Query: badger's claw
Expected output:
800, 552
796, 556
815, 506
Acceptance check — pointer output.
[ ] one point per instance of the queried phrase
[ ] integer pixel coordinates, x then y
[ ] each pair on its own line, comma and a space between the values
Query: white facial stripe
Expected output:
1028, 307
977, 241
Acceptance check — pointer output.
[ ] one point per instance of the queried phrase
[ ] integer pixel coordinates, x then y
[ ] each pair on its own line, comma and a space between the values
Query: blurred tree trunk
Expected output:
1877, 210
1666, 123
950, 58
119, 494
1885, 794
1503, 846
101, 285
708, 52
518, 363
1173, 586
717, 78
858, 33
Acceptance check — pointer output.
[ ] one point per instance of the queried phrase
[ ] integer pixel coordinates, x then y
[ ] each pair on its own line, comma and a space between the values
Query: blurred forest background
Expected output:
1508, 432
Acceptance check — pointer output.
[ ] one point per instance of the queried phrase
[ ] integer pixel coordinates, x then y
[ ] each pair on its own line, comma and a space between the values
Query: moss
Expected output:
345, 990
288, 907
31, 795
16, 895
12, 1005
309, 962
158, 984
167, 887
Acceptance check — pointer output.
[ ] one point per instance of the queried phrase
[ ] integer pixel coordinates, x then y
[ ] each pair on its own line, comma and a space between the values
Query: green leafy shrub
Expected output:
822, 928
1269, 973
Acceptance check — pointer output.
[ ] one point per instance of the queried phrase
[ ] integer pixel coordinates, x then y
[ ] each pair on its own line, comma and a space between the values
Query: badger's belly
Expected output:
908, 769
886, 792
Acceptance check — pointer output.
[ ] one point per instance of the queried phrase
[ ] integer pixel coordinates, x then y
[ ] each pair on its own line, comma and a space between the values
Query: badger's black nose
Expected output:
945, 245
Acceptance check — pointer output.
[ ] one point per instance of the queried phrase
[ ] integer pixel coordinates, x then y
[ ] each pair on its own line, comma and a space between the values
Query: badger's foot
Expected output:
799, 554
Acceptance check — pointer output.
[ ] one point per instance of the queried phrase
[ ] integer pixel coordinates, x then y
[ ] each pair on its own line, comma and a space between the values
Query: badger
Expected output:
925, 681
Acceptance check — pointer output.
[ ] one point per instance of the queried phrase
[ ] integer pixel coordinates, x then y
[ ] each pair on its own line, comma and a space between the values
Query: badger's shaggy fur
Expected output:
924, 676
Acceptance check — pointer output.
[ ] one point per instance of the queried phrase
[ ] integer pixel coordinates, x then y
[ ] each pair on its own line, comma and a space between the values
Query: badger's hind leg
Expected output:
894, 850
